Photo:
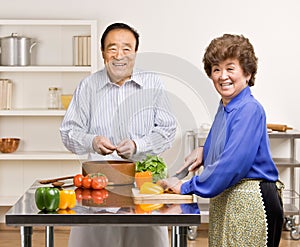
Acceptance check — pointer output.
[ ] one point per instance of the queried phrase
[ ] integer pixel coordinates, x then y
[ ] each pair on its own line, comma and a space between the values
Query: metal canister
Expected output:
16, 50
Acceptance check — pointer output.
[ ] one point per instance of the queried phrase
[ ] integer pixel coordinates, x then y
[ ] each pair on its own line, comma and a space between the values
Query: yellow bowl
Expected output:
9, 145
65, 100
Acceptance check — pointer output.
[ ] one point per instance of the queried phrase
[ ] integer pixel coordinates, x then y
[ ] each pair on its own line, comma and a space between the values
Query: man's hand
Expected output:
103, 146
126, 148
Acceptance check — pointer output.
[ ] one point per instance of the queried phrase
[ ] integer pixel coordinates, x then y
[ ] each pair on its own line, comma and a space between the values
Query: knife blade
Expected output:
183, 173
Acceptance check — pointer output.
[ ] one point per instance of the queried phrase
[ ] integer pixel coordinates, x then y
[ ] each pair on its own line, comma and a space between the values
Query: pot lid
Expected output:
14, 36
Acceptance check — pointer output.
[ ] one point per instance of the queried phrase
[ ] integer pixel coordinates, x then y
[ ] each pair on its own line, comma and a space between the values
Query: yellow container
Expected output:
65, 100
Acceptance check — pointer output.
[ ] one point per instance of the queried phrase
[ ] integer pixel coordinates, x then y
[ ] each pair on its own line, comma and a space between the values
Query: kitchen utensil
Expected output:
183, 173
279, 127
53, 98
49, 181
16, 50
160, 198
9, 145
58, 184
118, 172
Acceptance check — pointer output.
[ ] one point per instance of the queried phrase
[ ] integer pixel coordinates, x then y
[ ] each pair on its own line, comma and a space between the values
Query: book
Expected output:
9, 94
89, 51
84, 50
5, 93
1, 94
75, 50
80, 52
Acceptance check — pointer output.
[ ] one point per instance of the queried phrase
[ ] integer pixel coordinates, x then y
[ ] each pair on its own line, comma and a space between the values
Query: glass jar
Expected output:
53, 98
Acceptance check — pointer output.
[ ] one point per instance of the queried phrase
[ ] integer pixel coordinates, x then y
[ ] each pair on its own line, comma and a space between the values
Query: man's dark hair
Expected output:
120, 26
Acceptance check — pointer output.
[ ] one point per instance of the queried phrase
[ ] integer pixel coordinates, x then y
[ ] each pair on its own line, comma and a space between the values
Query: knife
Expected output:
49, 181
183, 173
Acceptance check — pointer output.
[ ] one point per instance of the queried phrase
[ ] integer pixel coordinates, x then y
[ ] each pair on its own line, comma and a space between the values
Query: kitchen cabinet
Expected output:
291, 194
41, 153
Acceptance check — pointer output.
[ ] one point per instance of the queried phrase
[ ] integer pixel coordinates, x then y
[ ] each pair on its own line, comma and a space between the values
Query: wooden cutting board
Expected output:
164, 198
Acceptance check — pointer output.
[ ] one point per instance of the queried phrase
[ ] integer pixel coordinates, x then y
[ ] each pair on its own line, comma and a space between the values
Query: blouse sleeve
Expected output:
244, 132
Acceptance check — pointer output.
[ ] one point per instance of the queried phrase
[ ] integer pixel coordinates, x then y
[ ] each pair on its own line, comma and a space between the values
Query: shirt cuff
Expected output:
140, 146
88, 143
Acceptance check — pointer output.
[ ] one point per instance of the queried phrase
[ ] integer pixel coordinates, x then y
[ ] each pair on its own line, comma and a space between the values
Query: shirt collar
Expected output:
235, 102
136, 78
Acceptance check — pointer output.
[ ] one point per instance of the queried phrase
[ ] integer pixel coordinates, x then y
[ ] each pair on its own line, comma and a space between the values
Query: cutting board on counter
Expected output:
164, 198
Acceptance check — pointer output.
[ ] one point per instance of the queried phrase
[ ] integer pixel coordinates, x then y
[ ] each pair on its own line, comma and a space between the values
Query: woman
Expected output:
239, 174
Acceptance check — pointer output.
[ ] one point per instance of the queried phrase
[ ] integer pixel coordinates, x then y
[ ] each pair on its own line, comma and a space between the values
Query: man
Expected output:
119, 113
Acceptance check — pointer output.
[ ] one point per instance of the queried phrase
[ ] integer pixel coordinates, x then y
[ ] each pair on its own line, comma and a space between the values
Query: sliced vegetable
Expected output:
147, 208
47, 198
142, 177
154, 164
151, 188
151, 207
67, 199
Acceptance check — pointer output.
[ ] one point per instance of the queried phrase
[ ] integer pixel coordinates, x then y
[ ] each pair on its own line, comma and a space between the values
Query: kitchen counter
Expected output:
117, 208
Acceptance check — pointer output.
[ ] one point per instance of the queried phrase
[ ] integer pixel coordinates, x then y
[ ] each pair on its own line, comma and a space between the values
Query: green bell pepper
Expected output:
47, 198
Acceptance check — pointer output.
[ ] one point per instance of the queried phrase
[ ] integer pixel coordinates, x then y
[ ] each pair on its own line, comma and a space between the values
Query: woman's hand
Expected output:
172, 183
193, 160
103, 146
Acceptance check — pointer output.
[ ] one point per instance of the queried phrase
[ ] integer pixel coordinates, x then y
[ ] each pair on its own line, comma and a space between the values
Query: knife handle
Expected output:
49, 181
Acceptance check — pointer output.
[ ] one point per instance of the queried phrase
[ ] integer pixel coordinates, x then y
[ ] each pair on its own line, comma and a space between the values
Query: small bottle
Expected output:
53, 98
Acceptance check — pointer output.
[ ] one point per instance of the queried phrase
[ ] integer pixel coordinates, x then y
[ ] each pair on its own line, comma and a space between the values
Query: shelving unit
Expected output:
290, 196
41, 153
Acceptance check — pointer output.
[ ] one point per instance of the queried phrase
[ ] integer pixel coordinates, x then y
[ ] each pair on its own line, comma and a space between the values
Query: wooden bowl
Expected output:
9, 145
118, 172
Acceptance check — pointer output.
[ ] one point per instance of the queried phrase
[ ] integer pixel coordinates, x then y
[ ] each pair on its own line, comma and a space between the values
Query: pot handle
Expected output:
31, 46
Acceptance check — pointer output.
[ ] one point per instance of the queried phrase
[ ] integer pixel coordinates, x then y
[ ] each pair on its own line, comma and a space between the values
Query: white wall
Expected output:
184, 29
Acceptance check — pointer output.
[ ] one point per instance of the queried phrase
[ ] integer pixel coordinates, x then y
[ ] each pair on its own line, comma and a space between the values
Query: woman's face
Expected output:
229, 79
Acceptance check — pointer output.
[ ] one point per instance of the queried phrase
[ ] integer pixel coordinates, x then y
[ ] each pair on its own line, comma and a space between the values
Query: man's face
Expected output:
119, 55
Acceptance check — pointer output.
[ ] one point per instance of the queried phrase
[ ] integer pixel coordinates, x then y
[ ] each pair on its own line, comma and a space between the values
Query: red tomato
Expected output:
86, 182
99, 182
86, 194
104, 193
77, 180
98, 200
78, 192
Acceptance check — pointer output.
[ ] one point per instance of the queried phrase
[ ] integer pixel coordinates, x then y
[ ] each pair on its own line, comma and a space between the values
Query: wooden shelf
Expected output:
39, 155
45, 68
288, 162
32, 112
289, 134
47, 22
51, 65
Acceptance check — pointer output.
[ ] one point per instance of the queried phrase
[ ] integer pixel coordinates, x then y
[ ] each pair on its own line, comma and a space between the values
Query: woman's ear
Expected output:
248, 77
